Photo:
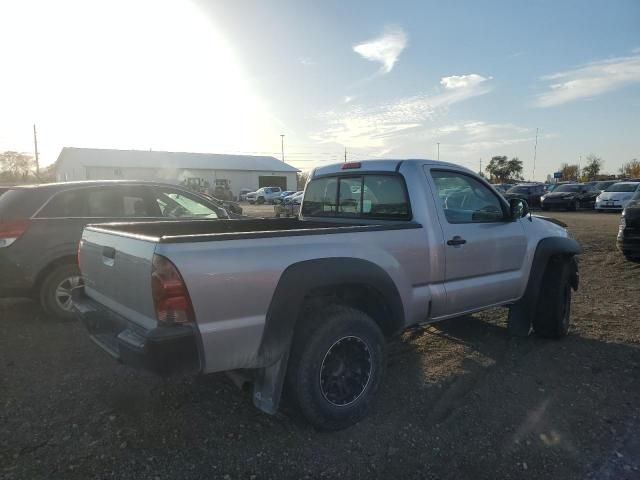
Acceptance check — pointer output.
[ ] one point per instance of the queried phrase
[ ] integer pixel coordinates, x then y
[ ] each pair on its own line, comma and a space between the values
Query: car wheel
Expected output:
260, 200
544, 208
55, 292
336, 364
251, 202
553, 312
632, 258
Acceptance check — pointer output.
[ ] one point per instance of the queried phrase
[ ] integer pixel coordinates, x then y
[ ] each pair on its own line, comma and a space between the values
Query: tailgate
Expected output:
117, 273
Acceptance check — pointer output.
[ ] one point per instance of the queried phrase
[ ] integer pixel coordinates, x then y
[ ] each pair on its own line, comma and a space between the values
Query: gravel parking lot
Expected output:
461, 400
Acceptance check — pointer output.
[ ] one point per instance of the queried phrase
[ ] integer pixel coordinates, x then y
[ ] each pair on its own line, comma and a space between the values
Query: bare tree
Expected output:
570, 173
631, 169
303, 177
16, 166
593, 167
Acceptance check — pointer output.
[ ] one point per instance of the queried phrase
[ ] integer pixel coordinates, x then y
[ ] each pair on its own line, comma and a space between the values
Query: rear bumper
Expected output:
14, 281
161, 350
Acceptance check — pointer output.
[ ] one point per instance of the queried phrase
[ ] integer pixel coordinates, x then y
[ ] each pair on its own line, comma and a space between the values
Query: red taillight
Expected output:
170, 295
12, 231
350, 165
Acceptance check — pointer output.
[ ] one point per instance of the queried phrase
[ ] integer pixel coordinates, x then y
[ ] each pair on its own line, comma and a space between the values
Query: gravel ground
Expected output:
461, 400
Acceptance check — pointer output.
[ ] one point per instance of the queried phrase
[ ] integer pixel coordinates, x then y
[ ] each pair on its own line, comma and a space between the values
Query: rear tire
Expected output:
337, 362
55, 292
545, 208
553, 312
260, 200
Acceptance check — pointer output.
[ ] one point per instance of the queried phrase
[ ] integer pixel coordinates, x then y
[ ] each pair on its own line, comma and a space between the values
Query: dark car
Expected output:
629, 232
40, 227
570, 196
3, 189
529, 192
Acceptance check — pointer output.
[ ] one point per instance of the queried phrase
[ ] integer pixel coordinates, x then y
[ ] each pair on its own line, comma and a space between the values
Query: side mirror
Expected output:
518, 208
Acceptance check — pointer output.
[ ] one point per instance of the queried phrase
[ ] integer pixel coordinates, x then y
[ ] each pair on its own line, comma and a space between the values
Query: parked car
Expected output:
552, 186
231, 207
616, 197
242, 195
502, 187
295, 198
280, 198
3, 189
603, 185
40, 227
531, 192
326, 288
629, 231
264, 195
570, 196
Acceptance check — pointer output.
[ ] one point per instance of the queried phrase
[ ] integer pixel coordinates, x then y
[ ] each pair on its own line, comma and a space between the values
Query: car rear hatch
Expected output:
117, 273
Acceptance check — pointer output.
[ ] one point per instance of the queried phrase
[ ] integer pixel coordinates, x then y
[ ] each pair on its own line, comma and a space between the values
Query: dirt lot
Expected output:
461, 400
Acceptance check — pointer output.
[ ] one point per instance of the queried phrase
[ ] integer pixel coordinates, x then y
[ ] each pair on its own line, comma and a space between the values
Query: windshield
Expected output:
604, 185
519, 190
569, 188
623, 187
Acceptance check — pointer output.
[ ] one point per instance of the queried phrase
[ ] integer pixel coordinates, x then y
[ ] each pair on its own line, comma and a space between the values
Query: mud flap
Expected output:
267, 387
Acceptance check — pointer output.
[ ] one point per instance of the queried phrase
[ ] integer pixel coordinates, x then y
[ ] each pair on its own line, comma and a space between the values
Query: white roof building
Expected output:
242, 171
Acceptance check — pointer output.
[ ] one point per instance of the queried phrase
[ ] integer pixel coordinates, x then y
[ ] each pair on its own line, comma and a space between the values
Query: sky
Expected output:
379, 79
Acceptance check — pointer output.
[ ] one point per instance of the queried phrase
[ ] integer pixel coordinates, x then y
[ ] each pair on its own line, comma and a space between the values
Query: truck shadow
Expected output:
461, 399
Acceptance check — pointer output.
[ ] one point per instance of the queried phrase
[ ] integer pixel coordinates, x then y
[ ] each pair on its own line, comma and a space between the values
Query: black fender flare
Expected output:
521, 313
303, 277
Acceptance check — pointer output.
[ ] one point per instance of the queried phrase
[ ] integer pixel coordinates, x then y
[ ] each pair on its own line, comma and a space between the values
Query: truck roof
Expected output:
387, 165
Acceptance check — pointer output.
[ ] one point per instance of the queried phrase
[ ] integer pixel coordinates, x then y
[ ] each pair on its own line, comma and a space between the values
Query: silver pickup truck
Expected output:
305, 304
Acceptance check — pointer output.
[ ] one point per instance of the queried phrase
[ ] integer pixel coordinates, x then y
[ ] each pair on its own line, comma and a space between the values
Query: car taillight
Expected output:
170, 295
12, 231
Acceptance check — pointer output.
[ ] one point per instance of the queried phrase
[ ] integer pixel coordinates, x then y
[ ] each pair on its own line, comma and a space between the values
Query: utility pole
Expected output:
345, 154
480, 167
535, 152
282, 145
438, 143
35, 145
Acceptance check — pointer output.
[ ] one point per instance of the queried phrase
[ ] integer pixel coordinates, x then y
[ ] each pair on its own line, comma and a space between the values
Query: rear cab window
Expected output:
367, 196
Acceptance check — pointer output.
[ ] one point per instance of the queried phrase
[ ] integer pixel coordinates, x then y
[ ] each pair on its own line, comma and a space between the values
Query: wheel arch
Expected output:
50, 267
314, 283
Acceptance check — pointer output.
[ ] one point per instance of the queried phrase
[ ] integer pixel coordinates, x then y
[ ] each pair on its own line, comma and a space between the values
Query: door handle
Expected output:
109, 252
457, 240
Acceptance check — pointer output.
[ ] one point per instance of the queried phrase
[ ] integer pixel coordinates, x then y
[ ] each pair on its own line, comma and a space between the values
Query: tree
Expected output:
631, 169
302, 179
501, 170
570, 173
15, 166
593, 167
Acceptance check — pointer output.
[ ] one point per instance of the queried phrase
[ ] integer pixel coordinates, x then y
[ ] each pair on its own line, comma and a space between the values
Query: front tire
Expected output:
260, 200
337, 362
553, 312
55, 292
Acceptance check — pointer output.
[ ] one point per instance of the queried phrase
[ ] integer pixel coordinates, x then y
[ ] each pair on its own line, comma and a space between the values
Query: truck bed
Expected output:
217, 230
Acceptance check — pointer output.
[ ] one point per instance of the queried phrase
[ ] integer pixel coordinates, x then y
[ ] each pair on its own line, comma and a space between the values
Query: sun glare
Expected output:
121, 74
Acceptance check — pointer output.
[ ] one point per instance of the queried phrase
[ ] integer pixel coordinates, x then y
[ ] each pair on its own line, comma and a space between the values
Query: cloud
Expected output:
348, 99
307, 62
593, 79
385, 49
374, 126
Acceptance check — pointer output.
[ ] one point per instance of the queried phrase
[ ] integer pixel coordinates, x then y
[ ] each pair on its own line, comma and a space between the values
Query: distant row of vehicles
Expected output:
610, 195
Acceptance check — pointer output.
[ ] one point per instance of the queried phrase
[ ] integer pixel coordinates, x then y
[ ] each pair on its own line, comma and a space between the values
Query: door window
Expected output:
174, 204
466, 200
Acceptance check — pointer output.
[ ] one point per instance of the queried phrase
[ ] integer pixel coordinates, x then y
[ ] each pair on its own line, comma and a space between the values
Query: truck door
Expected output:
484, 249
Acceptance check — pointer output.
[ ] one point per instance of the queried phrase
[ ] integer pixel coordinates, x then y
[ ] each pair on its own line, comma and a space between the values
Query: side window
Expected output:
67, 204
175, 204
466, 200
104, 202
137, 202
